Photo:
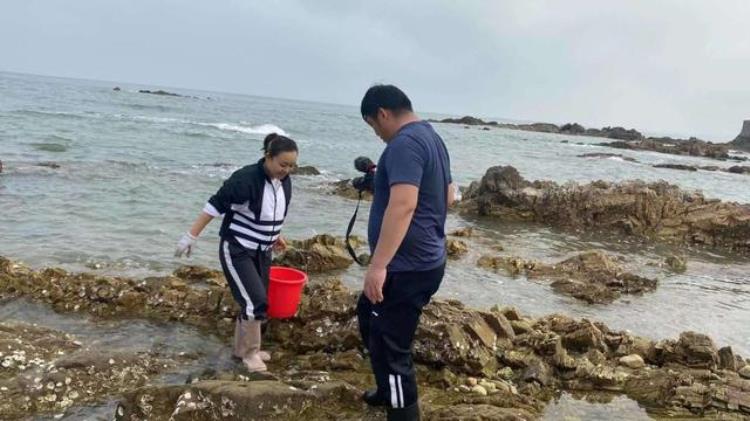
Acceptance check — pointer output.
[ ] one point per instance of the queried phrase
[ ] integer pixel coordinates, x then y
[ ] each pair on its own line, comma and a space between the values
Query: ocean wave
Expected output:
262, 129
63, 114
243, 127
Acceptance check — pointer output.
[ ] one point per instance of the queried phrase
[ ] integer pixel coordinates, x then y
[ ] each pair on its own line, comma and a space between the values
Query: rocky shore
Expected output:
627, 138
652, 211
593, 277
472, 364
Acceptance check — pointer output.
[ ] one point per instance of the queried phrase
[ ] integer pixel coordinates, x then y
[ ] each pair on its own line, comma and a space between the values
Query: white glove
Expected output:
185, 245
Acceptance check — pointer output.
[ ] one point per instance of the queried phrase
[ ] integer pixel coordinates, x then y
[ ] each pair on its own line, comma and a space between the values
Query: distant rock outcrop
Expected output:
158, 92
656, 211
742, 141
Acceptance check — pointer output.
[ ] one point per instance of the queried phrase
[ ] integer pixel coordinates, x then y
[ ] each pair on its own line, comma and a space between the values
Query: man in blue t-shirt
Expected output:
406, 232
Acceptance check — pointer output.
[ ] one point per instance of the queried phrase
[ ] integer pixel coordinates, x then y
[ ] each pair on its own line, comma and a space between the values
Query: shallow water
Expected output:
135, 169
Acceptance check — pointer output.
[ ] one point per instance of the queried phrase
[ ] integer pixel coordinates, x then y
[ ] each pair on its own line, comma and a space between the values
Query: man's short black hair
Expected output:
388, 97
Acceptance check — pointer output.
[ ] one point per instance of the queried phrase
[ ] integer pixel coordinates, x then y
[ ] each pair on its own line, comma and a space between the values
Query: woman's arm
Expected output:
200, 222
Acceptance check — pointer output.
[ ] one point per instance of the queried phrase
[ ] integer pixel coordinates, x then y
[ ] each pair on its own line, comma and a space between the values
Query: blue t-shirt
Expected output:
417, 156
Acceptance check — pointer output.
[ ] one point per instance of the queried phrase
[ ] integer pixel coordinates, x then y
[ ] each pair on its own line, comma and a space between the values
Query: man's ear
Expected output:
383, 114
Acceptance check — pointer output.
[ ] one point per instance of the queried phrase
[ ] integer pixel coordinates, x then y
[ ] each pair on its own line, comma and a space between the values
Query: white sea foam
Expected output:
262, 129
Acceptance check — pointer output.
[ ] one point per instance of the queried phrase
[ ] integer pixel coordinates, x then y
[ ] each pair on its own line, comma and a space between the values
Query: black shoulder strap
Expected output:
349, 231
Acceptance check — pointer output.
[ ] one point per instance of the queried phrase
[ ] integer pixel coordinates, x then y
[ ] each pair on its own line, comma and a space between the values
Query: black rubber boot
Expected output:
410, 413
371, 398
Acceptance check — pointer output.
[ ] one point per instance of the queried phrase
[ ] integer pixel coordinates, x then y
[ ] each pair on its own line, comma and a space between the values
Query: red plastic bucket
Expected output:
284, 291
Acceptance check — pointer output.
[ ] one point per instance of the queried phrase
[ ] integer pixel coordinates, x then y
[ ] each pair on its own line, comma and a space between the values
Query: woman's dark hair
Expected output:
275, 144
388, 97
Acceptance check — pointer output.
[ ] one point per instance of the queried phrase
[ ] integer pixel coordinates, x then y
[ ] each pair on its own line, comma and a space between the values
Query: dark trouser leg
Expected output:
243, 269
391, 328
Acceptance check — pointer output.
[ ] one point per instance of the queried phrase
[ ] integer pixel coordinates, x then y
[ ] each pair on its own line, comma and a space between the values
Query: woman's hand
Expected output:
185, 245
279, 245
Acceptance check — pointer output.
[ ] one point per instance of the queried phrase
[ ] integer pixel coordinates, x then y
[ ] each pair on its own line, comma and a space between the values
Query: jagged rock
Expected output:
744, 372
199, 274
456, 248
692, 350
345, 189
739, 169
653, 211
592, 276
321, 253
742, 141
463, 232
727, 360
632, 361
539, 372
667, 145
572, 128
306, 170
676, 263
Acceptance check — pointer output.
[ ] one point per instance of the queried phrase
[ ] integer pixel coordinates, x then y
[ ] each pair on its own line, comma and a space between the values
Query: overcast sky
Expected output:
676, 67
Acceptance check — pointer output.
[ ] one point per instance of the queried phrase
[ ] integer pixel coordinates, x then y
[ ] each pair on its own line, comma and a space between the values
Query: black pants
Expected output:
247, 275
388, 329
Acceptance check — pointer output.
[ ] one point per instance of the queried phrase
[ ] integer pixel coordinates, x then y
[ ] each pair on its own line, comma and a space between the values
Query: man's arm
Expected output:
396, 220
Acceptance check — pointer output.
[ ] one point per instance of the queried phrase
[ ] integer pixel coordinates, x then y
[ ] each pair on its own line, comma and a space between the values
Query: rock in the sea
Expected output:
667, 145
456, 248
306, 170
676, 167
572, 128
654, 211
345, 189
462, 232
739, 169
158, 92
676, 263
116, 89
633, 361
742, 141
592, 276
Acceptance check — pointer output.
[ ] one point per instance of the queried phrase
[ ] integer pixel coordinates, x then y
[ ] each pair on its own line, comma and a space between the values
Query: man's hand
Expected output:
279, 245
374, 280
185, 245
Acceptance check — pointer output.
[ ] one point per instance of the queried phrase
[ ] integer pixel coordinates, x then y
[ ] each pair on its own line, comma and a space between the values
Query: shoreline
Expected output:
519, 363
622, 138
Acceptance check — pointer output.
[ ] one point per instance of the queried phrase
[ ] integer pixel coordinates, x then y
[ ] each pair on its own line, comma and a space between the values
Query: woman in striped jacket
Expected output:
253, 201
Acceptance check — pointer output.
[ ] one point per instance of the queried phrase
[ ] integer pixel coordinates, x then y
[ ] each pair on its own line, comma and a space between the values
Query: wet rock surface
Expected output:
306, 170
593, 276
667, 145
345, 189
319, 369
44, 371
321, 253
742, 141
653, 211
